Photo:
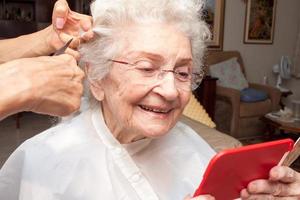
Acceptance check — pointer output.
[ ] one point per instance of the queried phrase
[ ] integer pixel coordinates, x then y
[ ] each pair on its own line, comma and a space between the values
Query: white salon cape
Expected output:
81, 160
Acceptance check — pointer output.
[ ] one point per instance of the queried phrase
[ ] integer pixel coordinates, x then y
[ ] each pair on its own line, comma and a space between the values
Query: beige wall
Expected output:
259, 59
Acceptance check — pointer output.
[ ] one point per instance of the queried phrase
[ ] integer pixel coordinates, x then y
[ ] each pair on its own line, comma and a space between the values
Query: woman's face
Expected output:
133, 107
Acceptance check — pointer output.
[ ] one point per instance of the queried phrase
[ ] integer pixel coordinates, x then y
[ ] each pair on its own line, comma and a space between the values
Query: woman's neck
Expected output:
123, 135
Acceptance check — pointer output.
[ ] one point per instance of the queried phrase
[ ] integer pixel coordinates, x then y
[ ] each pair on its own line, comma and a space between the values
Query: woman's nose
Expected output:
167, 87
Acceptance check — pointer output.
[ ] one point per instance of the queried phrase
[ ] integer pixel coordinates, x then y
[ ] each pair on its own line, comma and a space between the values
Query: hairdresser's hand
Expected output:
47, 85
201, 197
56, 85
67, 24
283, 183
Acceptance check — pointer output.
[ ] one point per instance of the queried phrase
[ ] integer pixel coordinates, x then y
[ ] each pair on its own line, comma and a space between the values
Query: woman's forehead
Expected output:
156, 57
156, 42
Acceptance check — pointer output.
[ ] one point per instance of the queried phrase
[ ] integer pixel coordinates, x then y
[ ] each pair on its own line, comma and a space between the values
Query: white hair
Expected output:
111, 15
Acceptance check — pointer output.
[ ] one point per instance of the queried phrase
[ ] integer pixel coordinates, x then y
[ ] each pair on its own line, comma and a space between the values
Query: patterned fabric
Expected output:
195, 111
229, 74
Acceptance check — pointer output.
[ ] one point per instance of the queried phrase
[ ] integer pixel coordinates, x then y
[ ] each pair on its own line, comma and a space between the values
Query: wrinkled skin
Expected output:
284, 183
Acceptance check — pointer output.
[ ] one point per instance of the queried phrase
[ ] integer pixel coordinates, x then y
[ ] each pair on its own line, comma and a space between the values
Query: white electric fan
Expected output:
284, 72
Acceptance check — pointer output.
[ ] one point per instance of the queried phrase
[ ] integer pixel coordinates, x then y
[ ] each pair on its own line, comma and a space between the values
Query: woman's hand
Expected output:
284, 183
47, 85
67, 24
201, 197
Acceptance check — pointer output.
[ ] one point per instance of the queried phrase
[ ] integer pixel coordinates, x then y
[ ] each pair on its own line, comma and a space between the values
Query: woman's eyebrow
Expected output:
184, 61
145, 54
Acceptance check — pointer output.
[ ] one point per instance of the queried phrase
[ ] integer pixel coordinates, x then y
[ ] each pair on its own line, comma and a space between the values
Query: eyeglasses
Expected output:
149, 73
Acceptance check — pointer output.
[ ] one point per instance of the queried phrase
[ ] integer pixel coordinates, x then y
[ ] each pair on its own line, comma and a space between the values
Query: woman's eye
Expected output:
183, 73
145, 66
148, 69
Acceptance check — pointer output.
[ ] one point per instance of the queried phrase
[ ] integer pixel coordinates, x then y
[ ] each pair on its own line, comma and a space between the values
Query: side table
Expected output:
206, 94
274, 123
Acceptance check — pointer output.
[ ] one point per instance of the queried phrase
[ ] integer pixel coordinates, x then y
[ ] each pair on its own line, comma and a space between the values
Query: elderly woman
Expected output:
129, 144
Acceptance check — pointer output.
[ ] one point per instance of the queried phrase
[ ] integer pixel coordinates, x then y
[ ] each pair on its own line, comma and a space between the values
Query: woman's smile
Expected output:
156, 111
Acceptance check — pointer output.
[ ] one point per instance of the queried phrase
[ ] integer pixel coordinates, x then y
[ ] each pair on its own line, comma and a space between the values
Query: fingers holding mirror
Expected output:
283, 183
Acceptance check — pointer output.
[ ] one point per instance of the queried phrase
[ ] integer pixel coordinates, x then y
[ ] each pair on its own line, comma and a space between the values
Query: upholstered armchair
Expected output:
235, 111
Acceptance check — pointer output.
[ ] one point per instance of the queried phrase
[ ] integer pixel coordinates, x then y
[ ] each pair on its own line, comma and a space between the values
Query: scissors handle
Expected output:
63, 49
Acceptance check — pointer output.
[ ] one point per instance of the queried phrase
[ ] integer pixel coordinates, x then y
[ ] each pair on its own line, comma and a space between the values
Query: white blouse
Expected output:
81, 160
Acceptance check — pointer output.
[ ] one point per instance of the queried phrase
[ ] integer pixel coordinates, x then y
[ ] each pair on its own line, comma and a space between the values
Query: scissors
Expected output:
63, 48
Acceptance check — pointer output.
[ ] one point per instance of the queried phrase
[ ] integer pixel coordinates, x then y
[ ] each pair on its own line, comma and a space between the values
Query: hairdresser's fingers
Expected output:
86, 22
60, 13
73, 53
66, 37
87, 36
86, 25
78, 75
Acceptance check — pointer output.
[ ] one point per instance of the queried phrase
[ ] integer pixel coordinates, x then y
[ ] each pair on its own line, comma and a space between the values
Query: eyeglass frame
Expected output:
201, 74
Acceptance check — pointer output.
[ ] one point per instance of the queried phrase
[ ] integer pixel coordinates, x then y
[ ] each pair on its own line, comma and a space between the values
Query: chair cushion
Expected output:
195, 111
229, 74
253, 95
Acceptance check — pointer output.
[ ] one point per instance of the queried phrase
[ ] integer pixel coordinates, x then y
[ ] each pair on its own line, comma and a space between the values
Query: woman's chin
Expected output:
155, 124
154, 130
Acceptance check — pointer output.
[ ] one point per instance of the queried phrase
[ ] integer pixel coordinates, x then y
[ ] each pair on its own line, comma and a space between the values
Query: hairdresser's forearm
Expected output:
31, 45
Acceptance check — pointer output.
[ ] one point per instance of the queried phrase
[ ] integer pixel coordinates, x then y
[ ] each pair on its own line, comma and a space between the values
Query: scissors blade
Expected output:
63, 49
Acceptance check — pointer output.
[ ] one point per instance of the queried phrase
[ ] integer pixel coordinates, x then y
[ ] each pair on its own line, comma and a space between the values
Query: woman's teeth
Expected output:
154, 109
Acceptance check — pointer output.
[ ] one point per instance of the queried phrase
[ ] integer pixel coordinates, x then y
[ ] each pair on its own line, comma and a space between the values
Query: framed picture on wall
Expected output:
213, 14
260, 21
17, 10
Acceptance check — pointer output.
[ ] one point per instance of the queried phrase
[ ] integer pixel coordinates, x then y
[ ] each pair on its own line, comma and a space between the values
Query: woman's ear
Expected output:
95, 86
97, 91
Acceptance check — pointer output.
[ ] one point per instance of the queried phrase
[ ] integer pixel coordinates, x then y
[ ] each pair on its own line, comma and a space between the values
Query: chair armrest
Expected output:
273, 93
232, 95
